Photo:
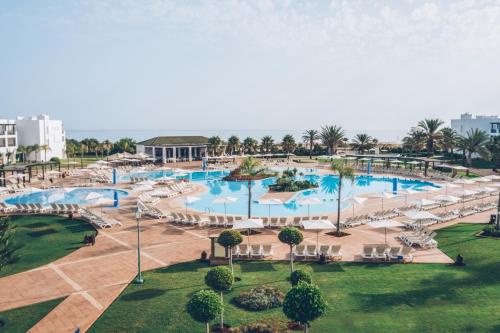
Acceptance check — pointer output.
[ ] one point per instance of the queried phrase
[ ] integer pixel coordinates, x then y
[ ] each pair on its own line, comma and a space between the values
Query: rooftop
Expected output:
175, 140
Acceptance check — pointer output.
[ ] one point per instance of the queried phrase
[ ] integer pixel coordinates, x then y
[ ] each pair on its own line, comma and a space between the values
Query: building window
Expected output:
148, 151
11, 129
2, 142
11, 142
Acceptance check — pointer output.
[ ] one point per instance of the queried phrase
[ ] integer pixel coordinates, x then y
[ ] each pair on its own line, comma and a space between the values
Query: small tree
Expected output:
229, 239
304, 303
7, 247
291, 236
345, 172
220, 279
300, 276
204, 307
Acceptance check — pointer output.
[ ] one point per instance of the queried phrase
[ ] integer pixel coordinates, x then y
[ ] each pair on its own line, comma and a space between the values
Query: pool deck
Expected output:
92, 277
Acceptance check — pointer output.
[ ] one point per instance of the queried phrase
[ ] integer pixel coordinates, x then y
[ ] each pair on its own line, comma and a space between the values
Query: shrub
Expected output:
273, 327
55, 159
491, 230
260, 298
300, 276
219, 279
204, 306
304, 303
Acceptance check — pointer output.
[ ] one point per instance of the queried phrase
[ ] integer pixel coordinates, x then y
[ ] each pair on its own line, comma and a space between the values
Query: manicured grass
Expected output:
43, 239
362, 297
22, 319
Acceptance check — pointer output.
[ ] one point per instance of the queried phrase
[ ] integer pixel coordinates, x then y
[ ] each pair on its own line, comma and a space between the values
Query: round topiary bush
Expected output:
260, 298
219, 279
300, 276
204, 306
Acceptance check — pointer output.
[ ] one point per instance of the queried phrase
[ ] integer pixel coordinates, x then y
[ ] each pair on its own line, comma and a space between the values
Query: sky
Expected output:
260, 64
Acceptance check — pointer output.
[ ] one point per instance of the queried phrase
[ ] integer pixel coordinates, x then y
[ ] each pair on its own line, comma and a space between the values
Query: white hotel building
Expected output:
467, 122
28, 131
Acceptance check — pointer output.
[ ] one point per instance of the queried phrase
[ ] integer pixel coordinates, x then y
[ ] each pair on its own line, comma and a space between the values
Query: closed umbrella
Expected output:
224, 200
248, 224
317, 225
309, 201
385, 224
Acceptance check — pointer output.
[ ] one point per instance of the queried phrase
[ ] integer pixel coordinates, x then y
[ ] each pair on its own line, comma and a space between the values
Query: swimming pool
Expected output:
63, 196
326, 192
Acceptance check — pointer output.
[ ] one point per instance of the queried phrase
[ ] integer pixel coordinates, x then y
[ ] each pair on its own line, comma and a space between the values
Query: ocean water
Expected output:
384, 135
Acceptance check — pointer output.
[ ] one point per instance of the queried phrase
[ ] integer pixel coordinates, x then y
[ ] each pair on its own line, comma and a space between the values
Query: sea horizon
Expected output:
383, 135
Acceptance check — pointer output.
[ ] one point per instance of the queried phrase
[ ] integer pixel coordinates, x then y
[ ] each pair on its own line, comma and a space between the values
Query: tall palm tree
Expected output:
309, 137
36, 149
250, 170
474, 142
45, 148
233, 144
249, 145
267, 143
345, 172
107, 146
448, 139
332, 137
414, 140
432, 130
362, 142
22, 150
288, 144
214, 145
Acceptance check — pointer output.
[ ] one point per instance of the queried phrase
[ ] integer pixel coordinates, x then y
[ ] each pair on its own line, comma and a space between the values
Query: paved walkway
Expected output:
92, 277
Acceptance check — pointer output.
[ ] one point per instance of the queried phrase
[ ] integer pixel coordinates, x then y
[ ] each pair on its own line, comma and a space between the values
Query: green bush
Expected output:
219, 279
300, 276
55, 159
204, 306
304, 303
274, 327
260, 298
490, 230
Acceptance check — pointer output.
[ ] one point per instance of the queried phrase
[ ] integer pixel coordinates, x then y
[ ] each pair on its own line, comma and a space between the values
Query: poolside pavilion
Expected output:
174, 148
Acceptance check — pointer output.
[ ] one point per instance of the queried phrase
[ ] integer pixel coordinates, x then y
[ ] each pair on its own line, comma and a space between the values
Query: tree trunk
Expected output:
291, 259
222, 313
310, 150
249, 198
469, 158
231, 259
338, 206
306, 327
207, 327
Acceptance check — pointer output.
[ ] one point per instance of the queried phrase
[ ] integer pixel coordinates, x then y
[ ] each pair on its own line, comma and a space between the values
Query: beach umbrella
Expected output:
449, 185
269, 202
248, 224
424, 202
147, 182
420, 215
224, 200
309, 201
428, 189
102, 162
385, 224
407, 192
190, 199
446, 198
92, 196
356, 201
383, 195
317, 225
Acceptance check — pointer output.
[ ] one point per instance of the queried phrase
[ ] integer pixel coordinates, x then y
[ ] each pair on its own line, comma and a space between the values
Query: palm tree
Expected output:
362, 142
448, 139
249, 145
414, 140
45, 148
332, 137
250, 170
432, 130
345, 172
83, 148
267, 143
214, 144
233, 144
475, 142
309, 137
36, 149
288, 145
107, 146
22, 150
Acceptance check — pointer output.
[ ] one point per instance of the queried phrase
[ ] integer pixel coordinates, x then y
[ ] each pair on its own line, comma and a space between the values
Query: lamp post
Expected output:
138, 279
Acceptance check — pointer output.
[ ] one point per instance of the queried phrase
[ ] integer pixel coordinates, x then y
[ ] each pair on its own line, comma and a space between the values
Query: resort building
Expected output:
467, 122
47, 133
174, 148
8, 140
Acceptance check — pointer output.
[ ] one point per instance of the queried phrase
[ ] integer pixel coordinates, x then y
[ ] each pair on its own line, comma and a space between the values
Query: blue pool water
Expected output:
327, 192
60, 196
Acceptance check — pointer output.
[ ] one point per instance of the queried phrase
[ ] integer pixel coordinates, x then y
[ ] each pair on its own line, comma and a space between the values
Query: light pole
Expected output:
138, 279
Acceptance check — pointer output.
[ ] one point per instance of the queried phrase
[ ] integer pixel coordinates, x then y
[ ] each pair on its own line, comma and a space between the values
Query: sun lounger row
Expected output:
64, 208
97, 220
188, 219
381, 252
304, 252
254, 251
150, 210
423, 237
147, 198
384, 214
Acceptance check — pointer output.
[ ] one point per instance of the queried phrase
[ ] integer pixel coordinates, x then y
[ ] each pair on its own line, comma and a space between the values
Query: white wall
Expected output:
468, 122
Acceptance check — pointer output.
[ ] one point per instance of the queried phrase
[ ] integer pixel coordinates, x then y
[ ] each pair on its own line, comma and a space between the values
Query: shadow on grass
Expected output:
331, 267
144, 294
41, 233
193, 266
34, 225
258, 267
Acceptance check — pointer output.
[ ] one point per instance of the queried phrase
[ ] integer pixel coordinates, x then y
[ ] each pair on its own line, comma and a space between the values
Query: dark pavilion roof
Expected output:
175, 140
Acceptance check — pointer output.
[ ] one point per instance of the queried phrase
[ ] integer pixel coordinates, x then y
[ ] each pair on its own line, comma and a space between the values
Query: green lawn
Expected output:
22, 319
44, 239
362, 297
